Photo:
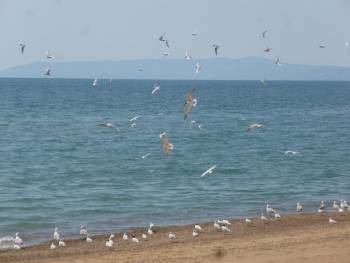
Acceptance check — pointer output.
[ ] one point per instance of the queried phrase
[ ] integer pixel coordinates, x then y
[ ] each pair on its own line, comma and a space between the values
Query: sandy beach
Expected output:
294, 238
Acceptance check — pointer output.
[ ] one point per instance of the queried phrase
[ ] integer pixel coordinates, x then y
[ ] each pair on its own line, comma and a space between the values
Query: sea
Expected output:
61, 166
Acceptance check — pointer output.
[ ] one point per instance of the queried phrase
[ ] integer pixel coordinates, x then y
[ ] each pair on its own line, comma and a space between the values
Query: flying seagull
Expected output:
187, 55
254, 126
264, 34
216, 47
167, 43
278, 62
140, 69
22, 46
209, 171
198, 67
267, 49
156, 87
263, 82
161, 38
194, 33
134, 119
322, 46
49, 55
94, 83
166, 145
166, 54
48, 72
189, 103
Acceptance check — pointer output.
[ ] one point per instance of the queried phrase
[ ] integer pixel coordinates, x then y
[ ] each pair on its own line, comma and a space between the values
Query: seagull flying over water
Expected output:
167, 43
145, 156
94, 83
166, 145
322, 46
198, 67
264, 34
209, 171
254, 126
166, 54
267, 49
156, 87
22, 46
216, 47
187, 55
189, 103
161, 38
49, 55
291, 153
134, 119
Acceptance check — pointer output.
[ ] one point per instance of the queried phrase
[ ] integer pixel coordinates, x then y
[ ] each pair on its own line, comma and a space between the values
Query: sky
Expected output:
121, 30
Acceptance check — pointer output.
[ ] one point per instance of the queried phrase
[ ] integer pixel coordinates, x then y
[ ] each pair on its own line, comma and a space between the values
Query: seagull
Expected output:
263, 218
197, 227
134, 119
300, 208
340, 210
111, 236
109, 243
187, 55
145, 156
18, 240
172, 235
134, 239
254, 126
94, 83
49, 55
278, 62
144, 236
156, 87
125, 236
198, 67
209, 171
264, 34
56, 235
267, 49
277, 216
52, 246
17, 247
195, 233
166, 54
189, 103
225, 229
247, 220
322, 46
140, 69
322, 207
83, 231
263, 82
166, 145
225, 222
48, 72
167, 43
22, 46
217, 225
109, 125
291, 153
150, 231
332, 221
61, 243
161, 38
335, 205
270, 209
88, 239
133, 125
216, 47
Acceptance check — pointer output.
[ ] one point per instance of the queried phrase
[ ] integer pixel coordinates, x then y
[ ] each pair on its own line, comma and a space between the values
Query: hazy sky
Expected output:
129, 29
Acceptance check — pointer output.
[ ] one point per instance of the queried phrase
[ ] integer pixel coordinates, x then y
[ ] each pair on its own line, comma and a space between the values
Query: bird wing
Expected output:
166, 144
188, 103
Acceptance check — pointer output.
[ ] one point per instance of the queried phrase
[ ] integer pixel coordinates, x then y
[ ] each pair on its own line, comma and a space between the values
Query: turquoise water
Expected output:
60, 168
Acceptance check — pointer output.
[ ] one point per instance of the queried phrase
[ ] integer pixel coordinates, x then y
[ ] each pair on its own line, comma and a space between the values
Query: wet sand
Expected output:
294, 238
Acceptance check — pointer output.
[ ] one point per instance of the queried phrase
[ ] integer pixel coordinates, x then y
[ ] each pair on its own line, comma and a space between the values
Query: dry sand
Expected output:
294, 238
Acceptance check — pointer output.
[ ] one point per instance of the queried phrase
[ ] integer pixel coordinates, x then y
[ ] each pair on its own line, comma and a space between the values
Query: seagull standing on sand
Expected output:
216, 47
247, 220
166, 145
172, 235
197, 227
189, 103
269, 209
225, 229
22, 46
322, 207
277, 216
56, 235
150, 231
195, 233
209, 171
217, 225
134, 239
254, 126
198, 67
332, 221
61, 243
125, 237
52, 246
18, 240
88, 239
156, 87
335, 205
263, 218
83, 231
300, 208
144, 236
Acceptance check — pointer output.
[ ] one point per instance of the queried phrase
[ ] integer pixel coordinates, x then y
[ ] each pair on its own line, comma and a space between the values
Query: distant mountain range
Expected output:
249, 68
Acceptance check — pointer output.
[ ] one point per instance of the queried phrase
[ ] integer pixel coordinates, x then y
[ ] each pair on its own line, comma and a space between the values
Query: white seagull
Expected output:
263, 218
172, 235
225, 229
195, 233
22, 46
269, 209
94, 83
247, 220
187, 55
332, 221
49, 55
134, 239
277, 216
300, 207
217, 225
198, 67
125, 236
56, 235
335, 205
52, 246
156, 87
109, 243
88, 239
278, 62
209, 171
61, 243
254, 126
83, 231
18, 240
145, 156
134, 119
150, 231
197, 227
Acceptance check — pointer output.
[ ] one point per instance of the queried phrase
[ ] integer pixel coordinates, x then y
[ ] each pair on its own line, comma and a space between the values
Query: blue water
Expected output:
58, 167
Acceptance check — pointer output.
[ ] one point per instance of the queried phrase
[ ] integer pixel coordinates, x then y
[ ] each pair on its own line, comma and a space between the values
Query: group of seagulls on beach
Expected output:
220, 225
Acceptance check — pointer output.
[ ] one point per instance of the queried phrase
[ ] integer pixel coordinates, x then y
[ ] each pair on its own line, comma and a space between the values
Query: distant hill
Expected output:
250, 68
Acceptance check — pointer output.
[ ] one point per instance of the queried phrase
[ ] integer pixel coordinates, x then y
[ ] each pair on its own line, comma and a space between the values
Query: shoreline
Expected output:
244, 240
